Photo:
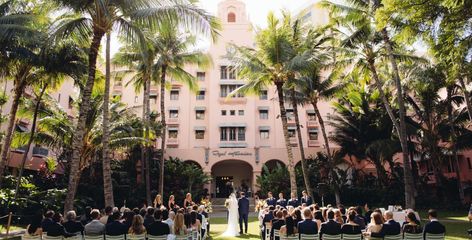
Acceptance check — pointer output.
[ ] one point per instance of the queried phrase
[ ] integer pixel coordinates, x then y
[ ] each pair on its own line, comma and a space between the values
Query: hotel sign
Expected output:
217, 153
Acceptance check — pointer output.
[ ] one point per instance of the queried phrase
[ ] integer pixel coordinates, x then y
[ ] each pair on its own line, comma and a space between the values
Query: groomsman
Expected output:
306, 199
293, 201
282, 202
271, 201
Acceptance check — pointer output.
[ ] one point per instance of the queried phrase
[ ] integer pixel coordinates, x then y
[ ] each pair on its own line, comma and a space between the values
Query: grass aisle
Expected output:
218, 226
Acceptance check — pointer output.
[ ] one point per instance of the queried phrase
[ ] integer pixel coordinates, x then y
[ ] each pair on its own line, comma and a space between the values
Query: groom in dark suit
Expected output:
243, 209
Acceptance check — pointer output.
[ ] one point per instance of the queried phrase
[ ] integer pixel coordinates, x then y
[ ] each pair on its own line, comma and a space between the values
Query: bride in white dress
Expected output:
232, 229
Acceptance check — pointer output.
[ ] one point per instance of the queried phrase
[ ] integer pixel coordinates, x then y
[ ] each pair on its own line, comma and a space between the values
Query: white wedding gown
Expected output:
232, 229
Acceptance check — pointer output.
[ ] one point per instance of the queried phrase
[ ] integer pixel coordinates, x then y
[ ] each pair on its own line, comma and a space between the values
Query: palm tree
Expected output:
93, 19
270, 65
173, 53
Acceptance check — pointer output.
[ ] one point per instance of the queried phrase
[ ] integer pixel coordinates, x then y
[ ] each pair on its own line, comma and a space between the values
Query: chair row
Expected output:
406, 236
194, 235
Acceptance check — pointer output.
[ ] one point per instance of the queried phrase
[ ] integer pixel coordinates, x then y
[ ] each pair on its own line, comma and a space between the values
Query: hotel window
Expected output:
232, 112
232, 134
201, 76
174, 95
231, 73
174, 113
263, 95
469, 163
264, 134
201, 95
289, 114
313, 133
223, 72
241, 112
264, 114
153, 99
291, 133
118, 83
199, 134
173, 133
231, 17
311, 116
71, 102
200, 114
223, 112
225, 90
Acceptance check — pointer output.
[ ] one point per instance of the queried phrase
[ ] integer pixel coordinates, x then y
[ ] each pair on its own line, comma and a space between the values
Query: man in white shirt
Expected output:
170, 220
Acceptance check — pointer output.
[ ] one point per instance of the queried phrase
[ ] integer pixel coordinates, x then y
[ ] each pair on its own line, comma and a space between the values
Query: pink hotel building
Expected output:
229, 138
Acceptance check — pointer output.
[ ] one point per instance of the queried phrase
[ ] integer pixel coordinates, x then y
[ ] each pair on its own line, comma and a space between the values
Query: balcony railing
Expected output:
293, 141
312, 123
173, 141
173, 121
313, 143
39, 151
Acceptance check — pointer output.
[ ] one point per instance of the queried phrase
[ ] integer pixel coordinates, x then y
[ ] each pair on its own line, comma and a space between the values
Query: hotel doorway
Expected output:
224, 186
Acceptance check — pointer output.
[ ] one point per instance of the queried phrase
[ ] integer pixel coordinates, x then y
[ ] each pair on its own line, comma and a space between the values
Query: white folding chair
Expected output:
291, 237
182, 237
430, 236
152, 237
309, 237
93, 237
29, 237
276, 233
393, 237
331, 237
119, 237
136, 237
195, 234
413, 236
352, 236
78, 236
46, 237
267, 232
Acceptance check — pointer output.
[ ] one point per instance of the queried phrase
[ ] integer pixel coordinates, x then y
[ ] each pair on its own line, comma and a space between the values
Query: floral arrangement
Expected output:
207, 204
227, 203
260, 204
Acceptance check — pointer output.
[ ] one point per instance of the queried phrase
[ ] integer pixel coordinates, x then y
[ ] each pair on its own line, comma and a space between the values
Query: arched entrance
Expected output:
272, 164
231, 175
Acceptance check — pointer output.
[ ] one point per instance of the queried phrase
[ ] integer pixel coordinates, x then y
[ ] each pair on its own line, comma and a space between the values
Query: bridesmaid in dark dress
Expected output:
171, 204
158, 201
188, 200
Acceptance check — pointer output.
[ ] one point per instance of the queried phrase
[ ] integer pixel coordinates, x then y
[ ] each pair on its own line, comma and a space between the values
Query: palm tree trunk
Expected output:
30, 140
336, 189
283, 117
164, 129
466, 97
107, 182
306, 178
408, 177
77, 144
18, 92
145, 152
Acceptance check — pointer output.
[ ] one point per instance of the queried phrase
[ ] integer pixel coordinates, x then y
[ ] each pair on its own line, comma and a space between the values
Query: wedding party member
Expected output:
390, 227
158, 228
281, 201
307, 226
271, 201
330, 227
47, 221
115, 227
188, 200
137, 226
179, 225
433, 226
375, 225
243, 210
351, 227
95, 227
290, 228
71, 224
306, 199
57, 229
293, 201
34, 228
158, 201
412, 225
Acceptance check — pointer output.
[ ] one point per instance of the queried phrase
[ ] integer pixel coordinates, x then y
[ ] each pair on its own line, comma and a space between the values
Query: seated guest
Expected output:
375, 225
179, 225
331, 227
307, 226
351, 227
290, 228
158, 228
194, 221
390, 227
34, 228
281, 201
95, 227
381, 215
85, 218
47, 221
412, 225
56, 229
297, 216
277, 223
293, 201
169, 220
71, 225
434, 226
342, 211
149, 218
360, 220
267, 219
137, 226
108, 212
338, 216
115, 227
128, 216
367, 214
271, 201
318, 218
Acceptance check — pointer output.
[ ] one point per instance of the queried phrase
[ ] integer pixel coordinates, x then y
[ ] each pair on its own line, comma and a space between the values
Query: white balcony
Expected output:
172, 121
312, 123
293, 141
313, 143
172, 141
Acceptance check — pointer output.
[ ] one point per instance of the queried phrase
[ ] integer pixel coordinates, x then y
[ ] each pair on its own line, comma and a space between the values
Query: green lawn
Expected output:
456, 230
